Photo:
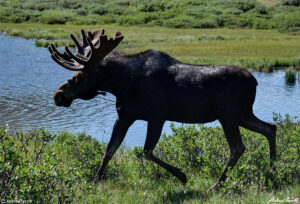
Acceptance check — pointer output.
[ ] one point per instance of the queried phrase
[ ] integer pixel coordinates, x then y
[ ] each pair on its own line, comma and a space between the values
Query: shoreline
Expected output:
259, 50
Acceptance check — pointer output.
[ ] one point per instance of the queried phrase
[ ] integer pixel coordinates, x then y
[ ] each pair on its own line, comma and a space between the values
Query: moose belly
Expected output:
191, 113
186, 106
183, 111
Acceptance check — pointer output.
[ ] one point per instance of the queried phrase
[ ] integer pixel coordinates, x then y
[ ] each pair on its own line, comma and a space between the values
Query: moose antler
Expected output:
89, 52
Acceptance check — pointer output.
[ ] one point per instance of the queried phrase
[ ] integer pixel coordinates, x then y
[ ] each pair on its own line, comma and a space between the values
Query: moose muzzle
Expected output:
61, 100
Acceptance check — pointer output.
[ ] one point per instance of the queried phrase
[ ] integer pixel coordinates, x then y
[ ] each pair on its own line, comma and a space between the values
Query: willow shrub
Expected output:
204, 151
56, 17
41, 167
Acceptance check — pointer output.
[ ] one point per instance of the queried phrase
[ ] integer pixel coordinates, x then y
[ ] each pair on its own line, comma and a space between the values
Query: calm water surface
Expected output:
29, 77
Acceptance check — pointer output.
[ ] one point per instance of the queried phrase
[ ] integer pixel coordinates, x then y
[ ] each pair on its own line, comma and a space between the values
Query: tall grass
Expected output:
290, 75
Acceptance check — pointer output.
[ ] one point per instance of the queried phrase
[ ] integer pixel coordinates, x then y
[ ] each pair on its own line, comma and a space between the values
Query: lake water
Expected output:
29, 77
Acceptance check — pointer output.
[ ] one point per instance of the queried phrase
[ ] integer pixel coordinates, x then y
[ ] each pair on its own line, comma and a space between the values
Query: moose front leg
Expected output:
119, 131
153, 134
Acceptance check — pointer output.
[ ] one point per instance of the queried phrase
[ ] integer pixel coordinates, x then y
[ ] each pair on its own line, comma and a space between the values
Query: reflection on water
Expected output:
29, 77
275, 95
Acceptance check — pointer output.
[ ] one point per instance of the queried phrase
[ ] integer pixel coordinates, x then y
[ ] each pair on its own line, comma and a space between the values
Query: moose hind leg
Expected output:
119, 131
251, 122
153, 135
237, 148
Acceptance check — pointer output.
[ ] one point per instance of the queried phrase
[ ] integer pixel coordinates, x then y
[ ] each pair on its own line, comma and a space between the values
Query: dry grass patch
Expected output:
269, 2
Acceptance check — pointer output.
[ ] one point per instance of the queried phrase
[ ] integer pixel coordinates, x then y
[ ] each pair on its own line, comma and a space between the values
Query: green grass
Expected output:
248, 48
47, 168
290, 75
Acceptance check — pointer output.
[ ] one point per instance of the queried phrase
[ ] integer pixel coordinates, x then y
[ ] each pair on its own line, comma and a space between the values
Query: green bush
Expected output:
152, 6
11, 15
107, 19
56, 17
169, 14
234, 11
98, 9
260, 23
180, 22
129, 20
36, 6
139, 19
81, 12
206, 23
284, 21
211, 10
194, 3
3, 3
290, 2
262, 9
195, 12
236, 22
244, 5
119, 10
122, 2
41, 167
71, 4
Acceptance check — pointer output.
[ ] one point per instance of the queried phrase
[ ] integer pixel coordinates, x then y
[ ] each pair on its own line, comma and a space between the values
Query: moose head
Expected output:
86, 62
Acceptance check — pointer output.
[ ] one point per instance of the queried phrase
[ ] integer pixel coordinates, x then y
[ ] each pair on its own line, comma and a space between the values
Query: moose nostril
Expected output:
58, 98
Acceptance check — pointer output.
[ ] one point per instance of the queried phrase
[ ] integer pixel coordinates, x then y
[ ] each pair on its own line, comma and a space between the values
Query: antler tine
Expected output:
77, 59
91, 44
65, 64
64, 59
118, 34
95, 36
97, 52
84, 40
79, 49
89, 52
52, 49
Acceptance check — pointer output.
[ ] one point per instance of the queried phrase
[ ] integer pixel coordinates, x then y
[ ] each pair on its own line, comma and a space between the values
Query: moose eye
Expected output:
72, 80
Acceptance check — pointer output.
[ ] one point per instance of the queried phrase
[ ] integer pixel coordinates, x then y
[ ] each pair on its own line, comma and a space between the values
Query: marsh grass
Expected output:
59, 43
260, 49
290, 75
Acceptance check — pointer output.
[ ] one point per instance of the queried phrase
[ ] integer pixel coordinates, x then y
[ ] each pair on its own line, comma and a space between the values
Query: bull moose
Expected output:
155, 87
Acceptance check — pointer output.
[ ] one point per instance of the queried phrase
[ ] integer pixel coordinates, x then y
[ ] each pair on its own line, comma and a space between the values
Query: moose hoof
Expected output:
96, 179
214, 187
